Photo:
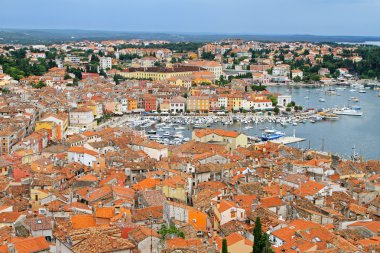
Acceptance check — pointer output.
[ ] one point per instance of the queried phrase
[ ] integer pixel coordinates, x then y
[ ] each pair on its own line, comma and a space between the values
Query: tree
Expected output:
257, 233
276, 110
261, 242
273, 99
297, 79
75, 81
172, 230
224, 246
208, 56
39, 85
258, 87
5, 90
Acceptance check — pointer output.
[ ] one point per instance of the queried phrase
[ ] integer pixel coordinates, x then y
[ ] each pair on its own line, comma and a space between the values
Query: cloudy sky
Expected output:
318, 17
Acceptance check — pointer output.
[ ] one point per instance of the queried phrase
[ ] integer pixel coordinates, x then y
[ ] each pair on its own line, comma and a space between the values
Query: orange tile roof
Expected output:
82, 221
178, 243
245, 201
374, 226
148, 183
31, 244
271, 202
9, 217
89, 133
105, 212
88, 178
310, 188
226, 133
99, 193
232, 239
174, 182
374, 241
225, 205
82, 150
286, 233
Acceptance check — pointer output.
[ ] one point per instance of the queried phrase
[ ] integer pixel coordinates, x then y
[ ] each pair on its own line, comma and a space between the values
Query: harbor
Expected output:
338, 121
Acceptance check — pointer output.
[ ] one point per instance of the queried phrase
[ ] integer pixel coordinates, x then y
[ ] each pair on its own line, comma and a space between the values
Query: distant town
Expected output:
128, 146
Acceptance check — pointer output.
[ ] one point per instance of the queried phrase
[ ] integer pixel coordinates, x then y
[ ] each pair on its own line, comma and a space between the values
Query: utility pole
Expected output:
151, 235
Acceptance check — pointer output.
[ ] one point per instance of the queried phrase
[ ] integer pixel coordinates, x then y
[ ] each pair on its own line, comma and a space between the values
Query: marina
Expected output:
337, 121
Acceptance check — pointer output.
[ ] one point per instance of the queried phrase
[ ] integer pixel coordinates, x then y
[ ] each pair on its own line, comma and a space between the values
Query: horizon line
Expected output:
187, 33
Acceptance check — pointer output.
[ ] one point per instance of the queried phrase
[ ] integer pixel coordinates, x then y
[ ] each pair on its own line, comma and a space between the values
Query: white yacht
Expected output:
348, 111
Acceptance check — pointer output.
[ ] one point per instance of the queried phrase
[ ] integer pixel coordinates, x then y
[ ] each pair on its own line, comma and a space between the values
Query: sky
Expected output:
314, 17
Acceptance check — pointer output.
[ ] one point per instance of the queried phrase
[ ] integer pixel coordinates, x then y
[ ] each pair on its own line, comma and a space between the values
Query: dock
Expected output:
288, 140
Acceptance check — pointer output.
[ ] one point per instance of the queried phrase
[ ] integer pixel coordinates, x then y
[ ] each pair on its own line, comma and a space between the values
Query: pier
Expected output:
288, 140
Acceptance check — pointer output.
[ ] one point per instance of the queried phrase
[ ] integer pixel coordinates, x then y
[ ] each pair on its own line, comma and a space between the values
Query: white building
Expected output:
281, 70
256, 104
226, 211
82, 117
124, 105
178, 105
105, 63
82, 155
36, 56
155, 150
223, 102
284, 100
72, 58
297, 73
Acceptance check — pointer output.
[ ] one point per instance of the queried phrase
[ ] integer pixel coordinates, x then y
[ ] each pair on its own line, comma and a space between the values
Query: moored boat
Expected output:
348, 112
272, 136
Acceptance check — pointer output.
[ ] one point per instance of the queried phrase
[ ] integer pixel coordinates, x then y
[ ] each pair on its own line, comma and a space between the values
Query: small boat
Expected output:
355, 99
321, 99
151, 131
352, 90
272, 136
154, 137
312, 121
362, 91
329, 116
331, 91
269, 131
248, 127
178, 135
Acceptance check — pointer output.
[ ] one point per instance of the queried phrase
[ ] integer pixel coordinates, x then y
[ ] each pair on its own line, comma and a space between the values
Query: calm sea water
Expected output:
342, 135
